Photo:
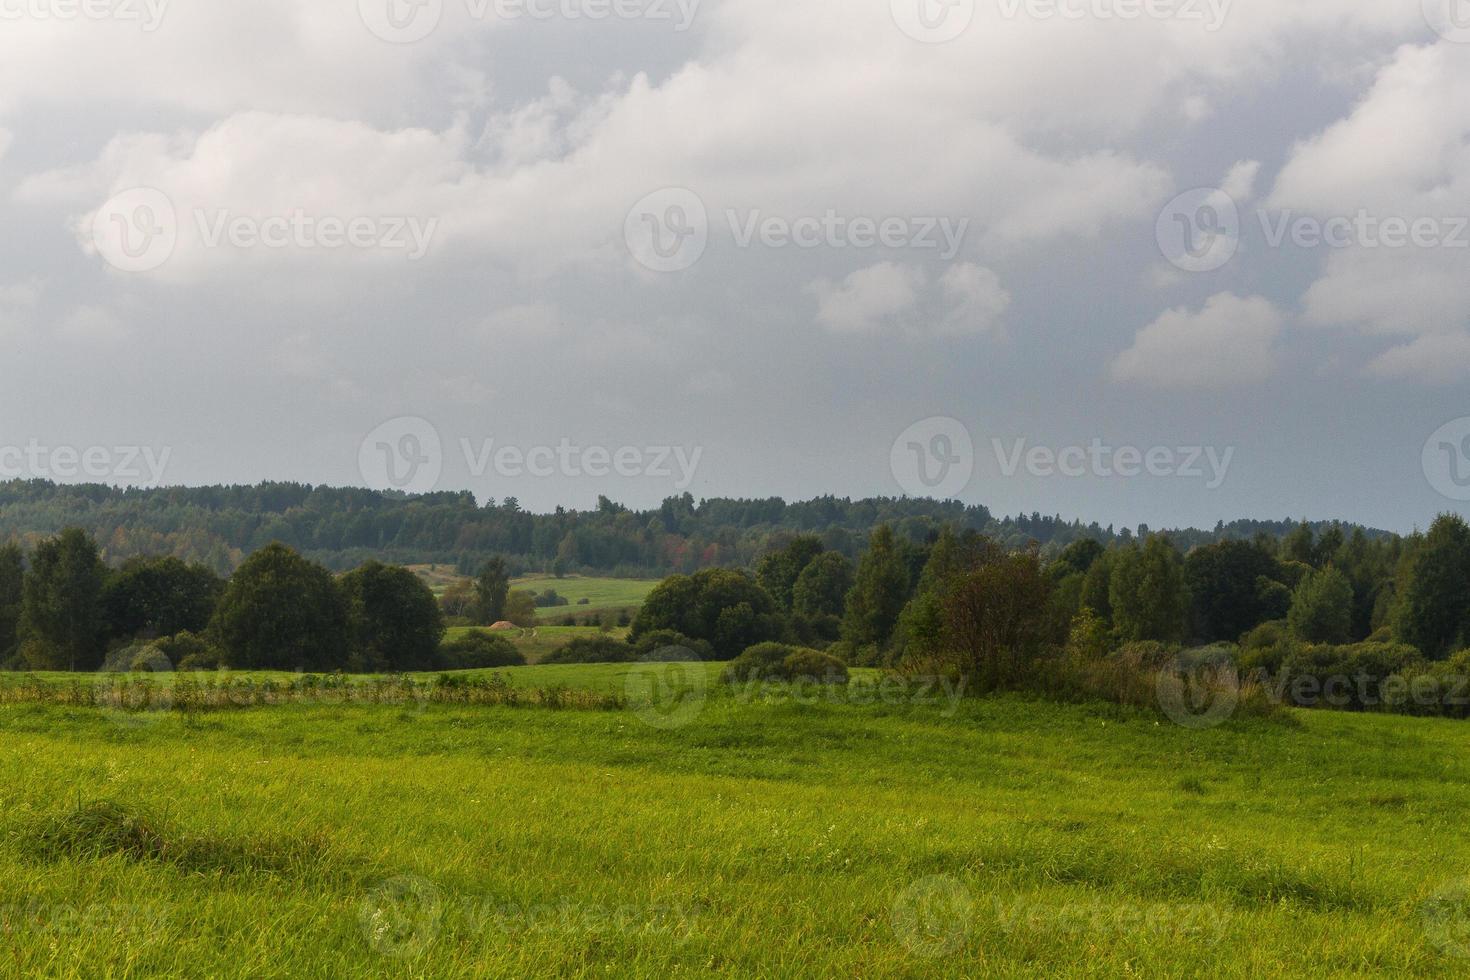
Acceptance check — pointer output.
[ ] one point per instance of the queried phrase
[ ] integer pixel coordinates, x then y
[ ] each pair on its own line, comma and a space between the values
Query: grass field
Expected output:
600, 593
760, 837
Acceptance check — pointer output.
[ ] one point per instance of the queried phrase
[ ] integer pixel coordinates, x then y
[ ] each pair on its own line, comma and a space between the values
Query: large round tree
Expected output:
282, 612
395, 620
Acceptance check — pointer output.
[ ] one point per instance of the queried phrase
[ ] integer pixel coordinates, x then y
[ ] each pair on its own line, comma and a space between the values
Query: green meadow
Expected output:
699, 830
600, 593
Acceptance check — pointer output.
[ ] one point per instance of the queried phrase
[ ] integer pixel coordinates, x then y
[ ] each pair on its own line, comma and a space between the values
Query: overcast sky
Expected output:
1126, 260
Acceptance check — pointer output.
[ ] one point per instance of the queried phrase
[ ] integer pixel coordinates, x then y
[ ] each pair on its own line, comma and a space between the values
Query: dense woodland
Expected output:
342, 528
1097, 616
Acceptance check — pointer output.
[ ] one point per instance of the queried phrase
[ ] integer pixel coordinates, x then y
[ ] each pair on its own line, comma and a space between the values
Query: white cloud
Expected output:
1240, 182
1403, 153
1231, 341
1437, 359
868, 298
976, 298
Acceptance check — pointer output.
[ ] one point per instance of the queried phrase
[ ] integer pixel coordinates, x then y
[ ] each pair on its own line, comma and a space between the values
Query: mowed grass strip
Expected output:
765, 837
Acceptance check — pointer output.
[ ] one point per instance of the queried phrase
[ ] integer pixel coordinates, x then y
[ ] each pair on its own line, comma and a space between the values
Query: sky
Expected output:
1161, 262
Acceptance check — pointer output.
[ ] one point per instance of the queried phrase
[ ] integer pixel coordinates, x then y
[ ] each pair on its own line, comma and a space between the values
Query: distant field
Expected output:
759, 837
601, 593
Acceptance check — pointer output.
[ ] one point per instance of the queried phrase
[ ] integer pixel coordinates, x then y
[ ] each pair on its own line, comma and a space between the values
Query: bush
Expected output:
651, 643
187, 651
764, 661
1348, 677
593, 650
814, 667
479, 650
779, 662
1266, 648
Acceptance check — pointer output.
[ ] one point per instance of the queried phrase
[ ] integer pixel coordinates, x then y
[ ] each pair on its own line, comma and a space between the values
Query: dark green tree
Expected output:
1433, 611
778, 570
879, 592
282, 612
1322, 607
1148, 593
62, 626
12, 594
153, 597
722, 606
394, 620
492, 587
821, 588
1225, 595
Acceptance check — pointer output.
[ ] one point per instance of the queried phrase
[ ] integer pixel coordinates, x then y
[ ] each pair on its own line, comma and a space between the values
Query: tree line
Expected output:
63, 609
341, 528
